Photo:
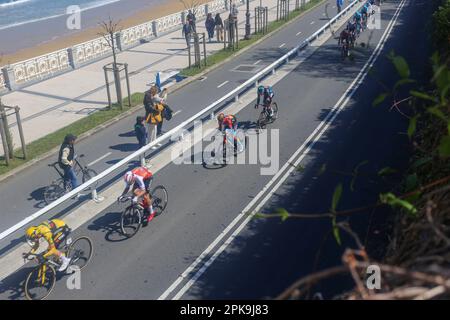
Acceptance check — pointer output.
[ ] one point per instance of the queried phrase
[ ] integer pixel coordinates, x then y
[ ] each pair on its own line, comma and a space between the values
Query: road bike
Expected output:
131, 218
41, 280
344, 50
56, 189
230, 143
265, 118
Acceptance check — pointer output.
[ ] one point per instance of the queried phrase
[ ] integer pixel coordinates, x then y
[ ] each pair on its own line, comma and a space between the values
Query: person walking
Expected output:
187, 33
210, 24
192, 20
219, 27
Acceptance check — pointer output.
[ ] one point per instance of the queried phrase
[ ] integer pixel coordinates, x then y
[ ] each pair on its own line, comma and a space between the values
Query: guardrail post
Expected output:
155, 28
212, 116
274, 71
10, 78
236, 98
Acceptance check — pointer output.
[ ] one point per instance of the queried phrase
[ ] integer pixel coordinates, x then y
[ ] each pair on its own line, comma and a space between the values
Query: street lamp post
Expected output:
247, 22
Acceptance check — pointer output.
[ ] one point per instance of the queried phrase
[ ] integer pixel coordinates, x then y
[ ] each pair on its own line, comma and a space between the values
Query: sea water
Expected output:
19, 12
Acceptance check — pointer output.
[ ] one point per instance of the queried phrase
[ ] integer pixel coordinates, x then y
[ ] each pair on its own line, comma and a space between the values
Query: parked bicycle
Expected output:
232, 143
131, 218
41, 280
265, 118
56, 189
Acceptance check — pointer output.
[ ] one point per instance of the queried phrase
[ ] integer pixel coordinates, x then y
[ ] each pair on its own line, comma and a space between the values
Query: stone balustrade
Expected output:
133, 35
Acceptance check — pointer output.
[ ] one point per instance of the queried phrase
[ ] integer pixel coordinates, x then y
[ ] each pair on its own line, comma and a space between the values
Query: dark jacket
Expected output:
210, 24
187, 30
69, 157
141, 133
148, 104
218, 21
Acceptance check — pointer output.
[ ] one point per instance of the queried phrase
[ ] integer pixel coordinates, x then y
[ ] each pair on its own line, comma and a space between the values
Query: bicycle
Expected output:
265, 118
231, 144
131, 218
56, 189
43, 277
344, 50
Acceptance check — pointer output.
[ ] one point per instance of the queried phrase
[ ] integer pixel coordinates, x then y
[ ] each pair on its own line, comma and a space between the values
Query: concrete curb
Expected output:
174, 88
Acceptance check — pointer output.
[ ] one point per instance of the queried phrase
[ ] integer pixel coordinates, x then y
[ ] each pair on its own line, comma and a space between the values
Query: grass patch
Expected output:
225, 53
52, 140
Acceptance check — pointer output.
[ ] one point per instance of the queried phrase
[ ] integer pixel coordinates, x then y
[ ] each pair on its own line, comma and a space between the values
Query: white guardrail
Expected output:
187, 123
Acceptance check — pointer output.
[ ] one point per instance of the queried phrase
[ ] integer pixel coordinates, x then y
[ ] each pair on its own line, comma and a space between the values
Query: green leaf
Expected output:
422, 95
436, 111
444, 147
412, 182
336, 233
355, 174
284, 215
300, 168
322, 169
402, 82
414, 197
336, 197
259, 216
420, 162
393, 201
412, 126
386, 171
378, 100
401, 65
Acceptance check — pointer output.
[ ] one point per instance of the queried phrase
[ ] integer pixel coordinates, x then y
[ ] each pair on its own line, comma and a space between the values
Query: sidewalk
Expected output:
55, 103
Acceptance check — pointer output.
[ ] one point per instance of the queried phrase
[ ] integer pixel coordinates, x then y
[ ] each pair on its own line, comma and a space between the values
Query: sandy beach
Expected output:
40, 38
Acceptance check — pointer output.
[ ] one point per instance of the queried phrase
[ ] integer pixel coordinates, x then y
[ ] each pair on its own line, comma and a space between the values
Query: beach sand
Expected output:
145, 15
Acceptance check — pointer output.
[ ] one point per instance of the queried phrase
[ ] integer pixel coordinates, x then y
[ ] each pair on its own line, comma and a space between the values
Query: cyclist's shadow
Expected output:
38, 195
110, 225
13, 285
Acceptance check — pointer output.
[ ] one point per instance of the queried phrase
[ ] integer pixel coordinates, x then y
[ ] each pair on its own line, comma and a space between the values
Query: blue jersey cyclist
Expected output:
265, 94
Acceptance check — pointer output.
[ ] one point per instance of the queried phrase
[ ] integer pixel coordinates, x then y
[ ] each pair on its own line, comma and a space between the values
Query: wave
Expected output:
13, 3
94, 5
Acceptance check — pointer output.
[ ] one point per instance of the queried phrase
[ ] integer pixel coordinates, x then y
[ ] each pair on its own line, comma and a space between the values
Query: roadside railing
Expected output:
207, 111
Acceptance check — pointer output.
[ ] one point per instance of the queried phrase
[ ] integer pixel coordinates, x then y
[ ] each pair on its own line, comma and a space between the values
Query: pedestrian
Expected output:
234, 12
140, 131
210, 24
339, 4
192, 20
66, 160
187, 33
219, 27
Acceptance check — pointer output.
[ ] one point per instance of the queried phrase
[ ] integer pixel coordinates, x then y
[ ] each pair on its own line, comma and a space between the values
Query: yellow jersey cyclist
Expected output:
53, 231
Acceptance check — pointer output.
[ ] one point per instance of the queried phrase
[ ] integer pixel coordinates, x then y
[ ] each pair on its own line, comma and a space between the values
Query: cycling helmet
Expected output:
30, 236
221, 117
261, 89
129, 178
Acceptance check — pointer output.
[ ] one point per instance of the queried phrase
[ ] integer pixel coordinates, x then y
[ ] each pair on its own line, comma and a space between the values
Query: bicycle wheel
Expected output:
88, 174
80, 252
54, 191
160, 198
275, 112
130, 221
40, 282
262, 121
214, 158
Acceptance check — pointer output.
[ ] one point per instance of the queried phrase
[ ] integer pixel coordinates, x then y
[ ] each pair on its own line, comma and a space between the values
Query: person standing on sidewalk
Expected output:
192, 20
187, 33
210, 24
66, 160
339, 5
219, 27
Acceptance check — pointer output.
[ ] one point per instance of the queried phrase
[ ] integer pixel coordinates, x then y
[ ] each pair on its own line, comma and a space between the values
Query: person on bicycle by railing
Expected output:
344, 36
53, 231
265, 94
140, 180
226, 123
357, 18
66, 160
364, 13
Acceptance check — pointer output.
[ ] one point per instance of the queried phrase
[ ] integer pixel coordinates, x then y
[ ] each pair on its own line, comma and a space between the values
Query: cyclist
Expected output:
266, 94
53, 231
344, 36
351, 27
229, 123
140, 179
364, 14
357, 18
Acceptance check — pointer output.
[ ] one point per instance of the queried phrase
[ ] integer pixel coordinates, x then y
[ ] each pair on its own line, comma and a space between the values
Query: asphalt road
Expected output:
22, 194
267, 255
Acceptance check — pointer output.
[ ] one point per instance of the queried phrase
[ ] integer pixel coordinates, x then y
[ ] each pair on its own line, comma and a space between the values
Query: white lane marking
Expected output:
323, 126
298, 33
312, 22
175, 113
221, 85
281, 46
99, 159
257, 62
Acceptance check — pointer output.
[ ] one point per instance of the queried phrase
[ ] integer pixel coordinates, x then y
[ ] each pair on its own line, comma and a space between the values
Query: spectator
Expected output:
210, 24
219, 27
339, 4
187, 32
192, 20
234, 12
141, 132
66, 160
